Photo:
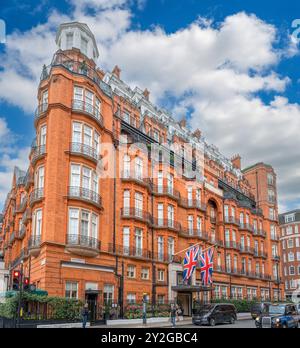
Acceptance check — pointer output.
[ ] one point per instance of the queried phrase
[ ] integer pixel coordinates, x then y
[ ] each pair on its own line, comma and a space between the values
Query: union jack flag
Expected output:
206, 266
190, 262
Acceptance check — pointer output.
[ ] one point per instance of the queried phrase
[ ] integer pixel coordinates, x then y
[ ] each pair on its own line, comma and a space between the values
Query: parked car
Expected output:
280, 315
259, 308
212, 314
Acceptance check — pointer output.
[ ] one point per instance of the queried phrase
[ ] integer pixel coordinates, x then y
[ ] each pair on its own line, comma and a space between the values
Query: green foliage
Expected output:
241, 306
135, 311
42, 307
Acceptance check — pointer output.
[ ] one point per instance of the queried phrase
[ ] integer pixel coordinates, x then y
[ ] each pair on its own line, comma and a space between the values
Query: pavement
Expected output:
243, 320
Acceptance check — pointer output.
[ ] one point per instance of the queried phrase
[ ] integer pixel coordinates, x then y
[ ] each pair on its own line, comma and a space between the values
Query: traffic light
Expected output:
26, 284
16, 280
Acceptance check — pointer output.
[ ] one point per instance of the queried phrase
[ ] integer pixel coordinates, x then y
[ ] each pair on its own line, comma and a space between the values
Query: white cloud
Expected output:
215, 70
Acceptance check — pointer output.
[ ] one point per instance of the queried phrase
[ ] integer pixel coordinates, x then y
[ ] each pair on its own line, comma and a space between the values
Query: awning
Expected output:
190, 288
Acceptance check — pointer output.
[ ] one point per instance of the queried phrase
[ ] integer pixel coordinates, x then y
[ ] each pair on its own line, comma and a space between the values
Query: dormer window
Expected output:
69, 41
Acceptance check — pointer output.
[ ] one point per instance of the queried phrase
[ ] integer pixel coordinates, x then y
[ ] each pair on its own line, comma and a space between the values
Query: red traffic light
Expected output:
26, 281
17, 274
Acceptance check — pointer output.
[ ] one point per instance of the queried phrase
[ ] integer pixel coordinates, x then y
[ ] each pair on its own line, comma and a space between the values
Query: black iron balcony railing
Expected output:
230, 244
22, 232
37, 153
192, 203
26, 216
246, 226
167, 223
213, 219
134, 176
21, 207
87, 108
194, 234
259, 253
40, 111
83, 241
166, 190
130, 251
76, 192
85, 150
136, 213
34, 242
231, 220
36, 195
128, 118
259, 233
274, 237
245, 249
28, 180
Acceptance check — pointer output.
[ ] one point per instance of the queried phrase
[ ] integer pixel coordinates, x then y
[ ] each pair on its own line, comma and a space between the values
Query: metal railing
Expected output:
133, 175
83, 241
192, 203
86, 150
166, 223
132, 212
87, 108
36, 195
40, 110
34, 242
130, 251
231, 220
21, 207
38, 152
194, 234
85, 194
166, 190
259, 233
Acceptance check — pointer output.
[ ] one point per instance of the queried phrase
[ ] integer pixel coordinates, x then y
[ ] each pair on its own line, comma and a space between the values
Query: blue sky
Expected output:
230, 67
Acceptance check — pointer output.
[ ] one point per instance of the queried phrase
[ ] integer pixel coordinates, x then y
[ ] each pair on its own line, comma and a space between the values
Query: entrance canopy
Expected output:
190, 288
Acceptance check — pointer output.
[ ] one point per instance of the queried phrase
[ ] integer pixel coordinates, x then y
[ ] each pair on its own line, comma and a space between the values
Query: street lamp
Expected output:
145, 308
20, 295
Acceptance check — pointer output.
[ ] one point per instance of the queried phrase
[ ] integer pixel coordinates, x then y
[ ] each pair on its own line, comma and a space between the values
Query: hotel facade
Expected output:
114, 237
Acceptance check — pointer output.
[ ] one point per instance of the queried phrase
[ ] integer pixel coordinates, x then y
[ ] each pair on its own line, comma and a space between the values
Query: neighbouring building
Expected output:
84, 235
290, 250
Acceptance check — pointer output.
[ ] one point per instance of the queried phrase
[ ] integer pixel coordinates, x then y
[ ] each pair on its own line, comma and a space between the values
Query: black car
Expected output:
280, 315
212, 314
259, 308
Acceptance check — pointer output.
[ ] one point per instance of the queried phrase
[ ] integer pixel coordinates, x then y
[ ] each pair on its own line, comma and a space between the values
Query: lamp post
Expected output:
144, 308
20, 295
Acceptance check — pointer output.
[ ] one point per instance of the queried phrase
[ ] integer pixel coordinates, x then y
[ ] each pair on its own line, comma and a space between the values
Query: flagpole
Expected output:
181, 251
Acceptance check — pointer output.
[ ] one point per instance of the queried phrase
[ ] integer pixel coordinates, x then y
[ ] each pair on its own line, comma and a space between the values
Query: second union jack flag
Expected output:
190, 262
206, 266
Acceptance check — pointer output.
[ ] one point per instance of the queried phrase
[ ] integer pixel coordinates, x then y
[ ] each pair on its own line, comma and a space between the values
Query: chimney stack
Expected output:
197, 133
237, 161
117, 71
182, 123
146, 93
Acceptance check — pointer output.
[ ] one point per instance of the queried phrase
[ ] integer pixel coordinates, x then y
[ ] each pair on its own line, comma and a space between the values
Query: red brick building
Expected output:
83, 234
290, 250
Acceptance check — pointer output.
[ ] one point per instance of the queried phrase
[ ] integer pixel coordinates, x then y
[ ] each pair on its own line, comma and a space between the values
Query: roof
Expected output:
297, 216
256, 165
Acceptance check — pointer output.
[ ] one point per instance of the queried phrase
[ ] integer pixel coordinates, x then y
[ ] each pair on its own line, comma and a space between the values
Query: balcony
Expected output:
40, 112
130, 251
28, 180
246, 227
274, 238
276, 258
36, 196
12, 237
34, 245
87, 109
259, 253
192, 204
22, 232
83, 194
166, 191
22, 206
259, 233
37, 153
137, 214
232, 245
246, 249
85, 151
128, 176
166, 224
26, 216
194, 234
231, 220
83, 245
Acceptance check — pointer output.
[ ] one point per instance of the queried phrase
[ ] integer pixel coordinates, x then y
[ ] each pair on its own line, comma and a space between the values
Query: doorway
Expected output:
185, 300
91, 298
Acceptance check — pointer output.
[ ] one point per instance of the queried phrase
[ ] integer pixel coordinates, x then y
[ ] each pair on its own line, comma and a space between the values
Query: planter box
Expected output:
137, 321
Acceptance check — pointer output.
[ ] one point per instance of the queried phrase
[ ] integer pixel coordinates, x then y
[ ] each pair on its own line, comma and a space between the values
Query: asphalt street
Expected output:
238, 324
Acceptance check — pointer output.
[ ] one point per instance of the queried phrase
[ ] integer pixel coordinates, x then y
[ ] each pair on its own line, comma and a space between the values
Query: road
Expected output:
249, 324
